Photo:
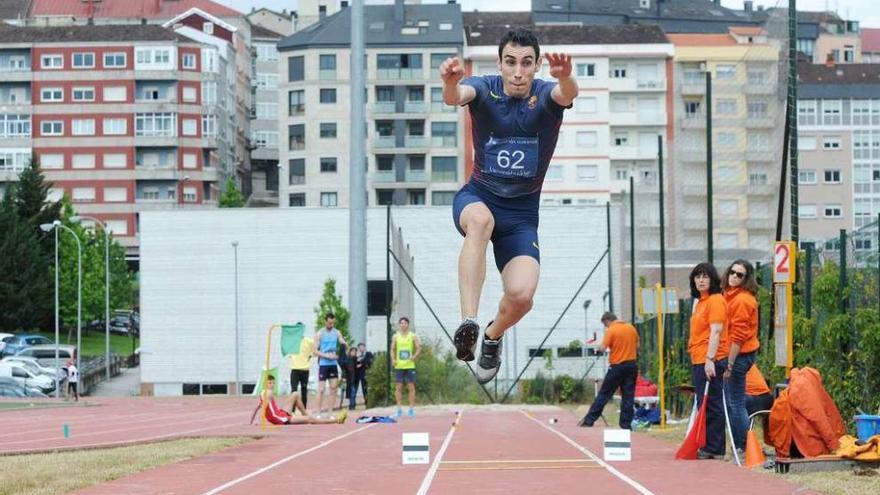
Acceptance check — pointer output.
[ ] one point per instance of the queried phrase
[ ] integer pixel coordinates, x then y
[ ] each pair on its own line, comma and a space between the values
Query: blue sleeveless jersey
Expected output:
328, 343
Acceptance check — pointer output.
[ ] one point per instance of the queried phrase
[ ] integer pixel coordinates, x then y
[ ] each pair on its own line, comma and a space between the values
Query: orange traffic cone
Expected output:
754, 453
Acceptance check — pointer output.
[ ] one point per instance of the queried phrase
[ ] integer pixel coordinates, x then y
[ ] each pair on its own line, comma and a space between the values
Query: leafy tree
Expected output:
231, 197
331, 302
25, 292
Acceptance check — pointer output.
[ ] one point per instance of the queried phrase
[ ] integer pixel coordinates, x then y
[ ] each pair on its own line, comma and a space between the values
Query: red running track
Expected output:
491, 451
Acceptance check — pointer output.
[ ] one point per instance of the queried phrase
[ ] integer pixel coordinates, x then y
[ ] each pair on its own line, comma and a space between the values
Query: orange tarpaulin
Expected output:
806, 415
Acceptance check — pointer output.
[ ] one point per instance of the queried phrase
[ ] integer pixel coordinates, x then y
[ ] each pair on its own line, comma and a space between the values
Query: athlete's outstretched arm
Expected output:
452, 71
560, 67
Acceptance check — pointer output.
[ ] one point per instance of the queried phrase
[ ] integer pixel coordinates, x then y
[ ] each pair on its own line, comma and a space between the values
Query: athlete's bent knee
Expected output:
478, 223
521, 300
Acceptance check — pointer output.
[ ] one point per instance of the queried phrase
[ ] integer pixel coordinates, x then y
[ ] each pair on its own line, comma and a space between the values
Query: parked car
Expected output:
45, 354
3, 337
26, 377
11, 388
35, 365
23, 340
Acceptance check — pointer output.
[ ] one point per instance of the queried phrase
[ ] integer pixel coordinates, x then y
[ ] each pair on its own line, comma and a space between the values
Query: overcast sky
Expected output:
865, 11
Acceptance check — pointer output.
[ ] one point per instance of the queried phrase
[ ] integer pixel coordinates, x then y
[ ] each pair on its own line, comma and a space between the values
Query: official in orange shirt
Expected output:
623, 341
740, 289
708, 347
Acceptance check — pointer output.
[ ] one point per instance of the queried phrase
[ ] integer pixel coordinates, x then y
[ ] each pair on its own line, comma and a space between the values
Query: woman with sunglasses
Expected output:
740, 289
707, 346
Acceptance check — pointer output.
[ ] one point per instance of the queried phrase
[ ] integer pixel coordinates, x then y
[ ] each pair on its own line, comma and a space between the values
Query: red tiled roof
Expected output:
111, 9
870, 40
701, 39
747, 30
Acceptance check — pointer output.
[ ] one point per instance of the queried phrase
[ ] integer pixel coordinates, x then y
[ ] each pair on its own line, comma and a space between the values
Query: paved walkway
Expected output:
125, 384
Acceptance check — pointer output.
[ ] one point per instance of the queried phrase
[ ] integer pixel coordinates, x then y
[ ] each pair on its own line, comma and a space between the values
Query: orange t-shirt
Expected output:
755, 383
623, 340
742, 319
709, 309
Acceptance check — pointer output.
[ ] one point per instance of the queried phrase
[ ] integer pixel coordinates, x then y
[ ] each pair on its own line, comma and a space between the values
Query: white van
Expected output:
26, 377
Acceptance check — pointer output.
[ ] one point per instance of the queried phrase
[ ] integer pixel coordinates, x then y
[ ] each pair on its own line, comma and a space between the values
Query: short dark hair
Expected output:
521, 37
749, 282
608, 316
403, 318
709, 270
329, 315
361, 344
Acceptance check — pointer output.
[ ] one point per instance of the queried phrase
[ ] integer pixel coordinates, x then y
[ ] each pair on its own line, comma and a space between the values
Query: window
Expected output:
267, 110
619, 104
758, 140
83, 60
265, 139
209, 125
725, 72
52, 128
266, 52
83, 161
295, 71
150, 93
444, 133
757, 77
52, 62
83, 194
296, 136
757, 109
757, 179
267, 81
328, 95
384, 197
155, 124
209, 93
806, 143
190, 127
115, 127
832, 211
726, 139
52, 161
328, 199
442, 198
726, 107
296, 171
831, 112
832, 176
807, 211
150, 193
555, 172
327, 63
621, 138
298, 199
328, 165
831, 143
439, 58
728, 241
190, 160
114, 60
416, 196
618, 71
444, 169
190, 195
210, 60
189, 61
587, 173
189, 94
208, 27
691, 109
384, 163
586, 70
51, 94
380, 294
728, 207
84, 94
849, 54
296, 102
115, 194
586, 139
621, 174
806, 176
328, 130
115, 93
585, 105
114, 160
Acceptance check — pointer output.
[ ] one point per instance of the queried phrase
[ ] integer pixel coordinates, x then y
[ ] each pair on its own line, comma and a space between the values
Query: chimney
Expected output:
748, 5
829, 61
398, 11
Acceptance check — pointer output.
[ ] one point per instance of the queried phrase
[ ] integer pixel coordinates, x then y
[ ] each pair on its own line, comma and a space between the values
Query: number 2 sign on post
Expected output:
783, 262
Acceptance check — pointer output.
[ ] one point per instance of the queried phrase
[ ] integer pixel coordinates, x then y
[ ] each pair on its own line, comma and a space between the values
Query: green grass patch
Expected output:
15, 406
63, 472
93, 343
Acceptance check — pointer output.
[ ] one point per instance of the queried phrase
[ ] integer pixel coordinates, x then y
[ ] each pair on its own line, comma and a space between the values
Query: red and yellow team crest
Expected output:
533, 101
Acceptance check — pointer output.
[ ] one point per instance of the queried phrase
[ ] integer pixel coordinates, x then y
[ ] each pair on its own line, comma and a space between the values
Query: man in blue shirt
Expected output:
329, 340
515, 123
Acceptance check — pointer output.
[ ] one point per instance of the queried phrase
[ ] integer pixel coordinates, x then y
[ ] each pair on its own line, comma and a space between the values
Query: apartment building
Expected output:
414, 142
746, 137
839, 143
870, 45
264, 118
611, 132
116, 116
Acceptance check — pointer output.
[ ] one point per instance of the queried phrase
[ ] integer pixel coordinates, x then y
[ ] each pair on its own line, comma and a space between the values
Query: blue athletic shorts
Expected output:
516, 222
405, 376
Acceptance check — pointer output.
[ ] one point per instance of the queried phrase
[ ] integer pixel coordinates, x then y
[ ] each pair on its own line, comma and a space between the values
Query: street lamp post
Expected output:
77, 219
55, 225
586, 328
235, 250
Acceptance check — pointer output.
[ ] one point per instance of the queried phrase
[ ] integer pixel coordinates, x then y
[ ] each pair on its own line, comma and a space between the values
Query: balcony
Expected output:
631, 84
760, 154
384, 176
327, 74
632, 153
764, 223
635, 119
694, 88
762, 190
444, 141
440, 107
698, 190
297, 180
16, 74
694, 121
398, 74
692, 155
415, 175
764, 88
658, 85
761, 122
444, 176
384, 107
415, 107
384, 142
416, 141
145, 172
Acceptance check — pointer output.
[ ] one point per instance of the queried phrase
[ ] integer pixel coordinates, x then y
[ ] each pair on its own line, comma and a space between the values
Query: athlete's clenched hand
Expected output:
451, 70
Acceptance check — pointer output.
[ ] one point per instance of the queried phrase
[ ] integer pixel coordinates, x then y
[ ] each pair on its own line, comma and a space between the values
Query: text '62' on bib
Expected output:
511, 156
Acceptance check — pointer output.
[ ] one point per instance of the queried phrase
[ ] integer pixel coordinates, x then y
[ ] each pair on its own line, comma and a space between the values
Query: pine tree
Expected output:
331, 302
231, 197
31, 201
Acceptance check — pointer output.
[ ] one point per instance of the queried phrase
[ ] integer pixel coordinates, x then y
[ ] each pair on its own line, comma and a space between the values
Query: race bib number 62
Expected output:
511, 157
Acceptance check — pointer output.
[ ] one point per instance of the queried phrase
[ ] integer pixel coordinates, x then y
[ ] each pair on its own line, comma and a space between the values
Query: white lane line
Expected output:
429, 476
286, 459
626, 479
